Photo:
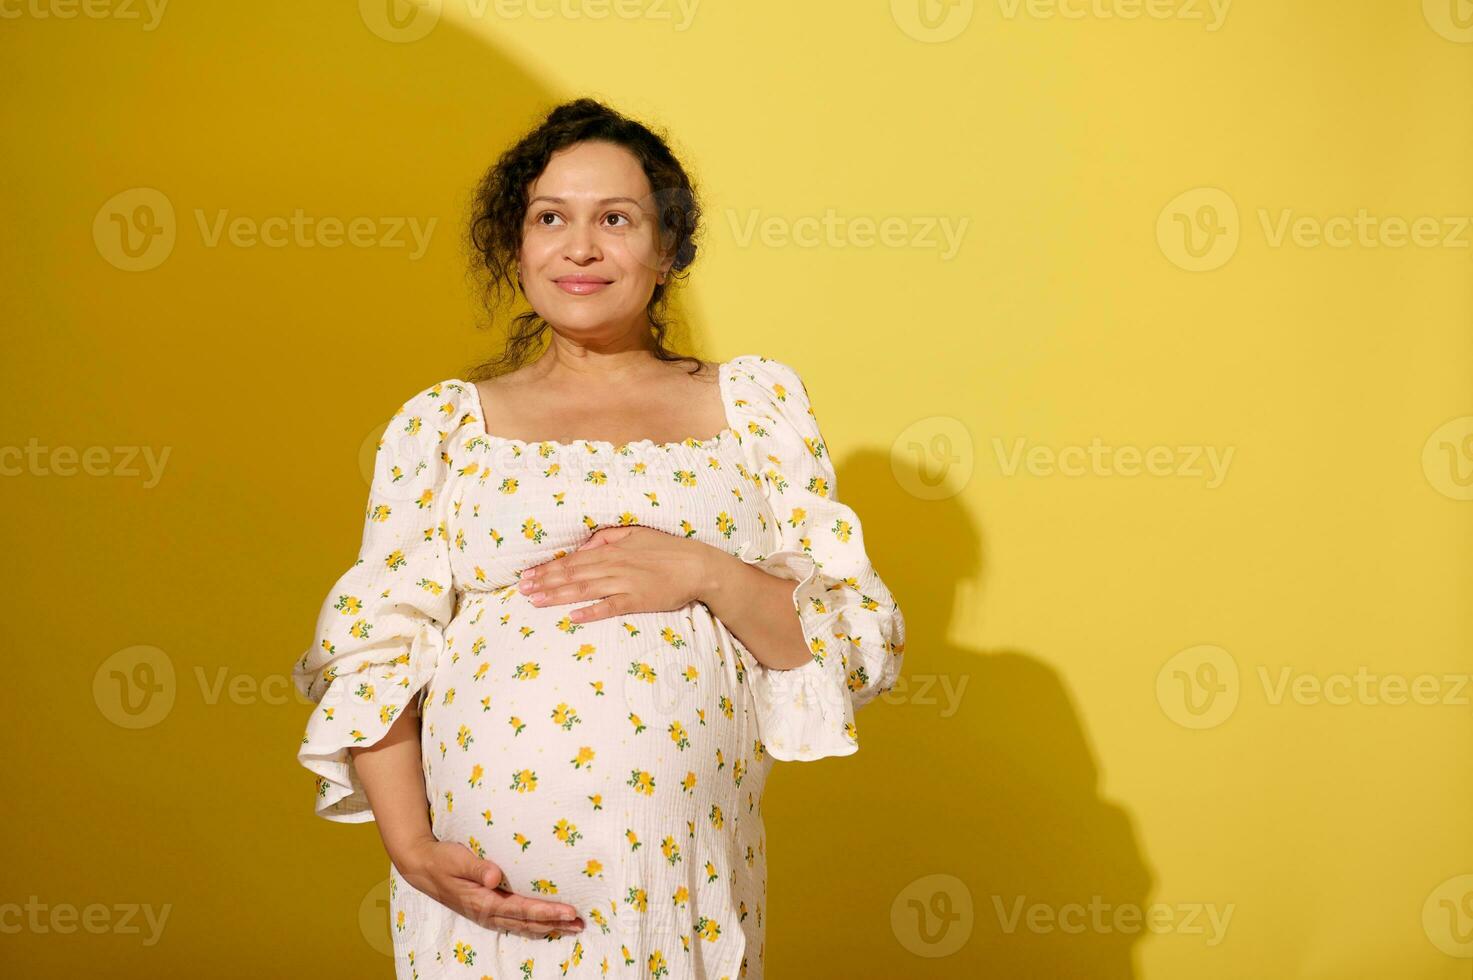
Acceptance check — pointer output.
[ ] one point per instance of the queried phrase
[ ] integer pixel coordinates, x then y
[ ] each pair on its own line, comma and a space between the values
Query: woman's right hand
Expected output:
451, 874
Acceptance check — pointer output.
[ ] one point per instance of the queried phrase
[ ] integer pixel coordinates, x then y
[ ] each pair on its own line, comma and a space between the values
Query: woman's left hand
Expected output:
627, 569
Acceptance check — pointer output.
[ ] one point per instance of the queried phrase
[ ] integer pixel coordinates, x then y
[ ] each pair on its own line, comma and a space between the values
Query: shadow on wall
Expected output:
976, 767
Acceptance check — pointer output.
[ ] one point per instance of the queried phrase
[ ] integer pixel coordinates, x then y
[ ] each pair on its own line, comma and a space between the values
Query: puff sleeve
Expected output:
381, 628
854, 626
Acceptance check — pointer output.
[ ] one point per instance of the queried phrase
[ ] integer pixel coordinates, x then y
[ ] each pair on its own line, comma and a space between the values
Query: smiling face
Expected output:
590, 255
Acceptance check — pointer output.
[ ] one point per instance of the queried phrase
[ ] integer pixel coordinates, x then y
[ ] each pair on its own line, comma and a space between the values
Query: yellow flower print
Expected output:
464, 738
449, 801
685, 478
584, 758
657, 964
464, 954
480, 673
566, 717
670, 849
688, 783
717, 818
521, 840
349, 605
673, 638
524, 781
681, 897
584, 652
542, 886
639, 726
532, 530
425, 499
711, 876
641, 671
431, 586
567, 625
633, 838
725, 524
527, 671
395, 560
642, 782
597, 799
678, 735
637, 898
516, 725
566, 832
476, 775
508, 486
816, 644
593, 869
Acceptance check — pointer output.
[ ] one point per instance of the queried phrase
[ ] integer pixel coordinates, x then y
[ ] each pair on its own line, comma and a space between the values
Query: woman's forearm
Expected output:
392, 774
757, 607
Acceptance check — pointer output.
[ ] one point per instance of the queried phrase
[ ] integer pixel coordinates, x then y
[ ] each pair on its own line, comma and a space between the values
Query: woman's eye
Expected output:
545, 214
625, 217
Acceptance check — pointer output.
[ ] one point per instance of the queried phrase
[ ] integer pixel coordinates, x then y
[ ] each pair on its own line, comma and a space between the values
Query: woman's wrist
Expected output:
720, 572
408, 855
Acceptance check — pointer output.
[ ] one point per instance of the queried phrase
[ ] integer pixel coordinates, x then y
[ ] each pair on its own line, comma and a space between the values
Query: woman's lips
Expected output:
580, 287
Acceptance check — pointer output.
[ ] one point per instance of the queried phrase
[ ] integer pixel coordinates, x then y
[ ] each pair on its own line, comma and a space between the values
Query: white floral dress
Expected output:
616, 765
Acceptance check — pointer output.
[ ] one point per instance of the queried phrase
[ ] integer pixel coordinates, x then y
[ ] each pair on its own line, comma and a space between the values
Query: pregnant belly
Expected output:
581, 757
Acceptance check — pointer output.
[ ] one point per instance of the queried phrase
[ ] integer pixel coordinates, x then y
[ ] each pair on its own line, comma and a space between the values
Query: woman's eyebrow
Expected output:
559, 200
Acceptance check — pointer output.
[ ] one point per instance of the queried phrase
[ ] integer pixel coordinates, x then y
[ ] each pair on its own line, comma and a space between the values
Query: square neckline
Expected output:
728, 432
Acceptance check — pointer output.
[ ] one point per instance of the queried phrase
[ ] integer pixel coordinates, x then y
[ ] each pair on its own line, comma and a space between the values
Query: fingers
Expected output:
589, 584
529, 917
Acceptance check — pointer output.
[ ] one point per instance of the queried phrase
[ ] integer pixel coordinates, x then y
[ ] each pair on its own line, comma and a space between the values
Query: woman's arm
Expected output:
392, 774
757, 607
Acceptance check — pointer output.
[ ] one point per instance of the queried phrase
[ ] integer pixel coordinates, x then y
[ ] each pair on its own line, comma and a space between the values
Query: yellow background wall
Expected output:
1134, 696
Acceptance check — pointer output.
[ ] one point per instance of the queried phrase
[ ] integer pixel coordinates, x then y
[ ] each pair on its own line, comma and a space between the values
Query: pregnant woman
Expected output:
597, 596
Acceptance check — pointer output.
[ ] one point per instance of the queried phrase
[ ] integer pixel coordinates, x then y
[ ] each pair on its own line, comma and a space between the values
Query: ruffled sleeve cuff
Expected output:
358, 709
803, 713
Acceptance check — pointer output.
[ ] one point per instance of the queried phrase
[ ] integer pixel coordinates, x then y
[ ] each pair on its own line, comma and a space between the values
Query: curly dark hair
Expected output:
499, 209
